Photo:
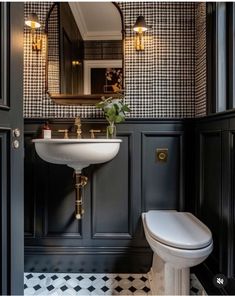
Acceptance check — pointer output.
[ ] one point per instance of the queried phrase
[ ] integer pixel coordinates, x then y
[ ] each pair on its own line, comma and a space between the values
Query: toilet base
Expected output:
167, 280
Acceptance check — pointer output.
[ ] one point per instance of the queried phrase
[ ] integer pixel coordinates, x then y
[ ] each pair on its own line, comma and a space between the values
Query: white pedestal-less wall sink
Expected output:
77, 153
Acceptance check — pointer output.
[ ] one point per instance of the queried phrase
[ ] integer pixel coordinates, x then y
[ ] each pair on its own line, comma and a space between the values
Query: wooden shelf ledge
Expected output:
64, 99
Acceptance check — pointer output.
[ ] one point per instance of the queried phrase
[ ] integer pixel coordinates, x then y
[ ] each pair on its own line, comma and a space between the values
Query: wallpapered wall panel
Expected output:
34, 63
200, 60
160, 81
53, 51
37, 103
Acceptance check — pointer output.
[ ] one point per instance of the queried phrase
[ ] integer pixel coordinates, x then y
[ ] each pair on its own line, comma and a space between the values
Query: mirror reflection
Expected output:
84, 51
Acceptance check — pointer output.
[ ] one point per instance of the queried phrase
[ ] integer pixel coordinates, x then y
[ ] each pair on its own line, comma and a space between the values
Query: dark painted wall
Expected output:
214, 198
110, 237
214, 149
11, 157
198, 177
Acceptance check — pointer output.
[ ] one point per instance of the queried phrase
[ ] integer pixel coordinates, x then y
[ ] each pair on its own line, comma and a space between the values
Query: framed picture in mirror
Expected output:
104, 76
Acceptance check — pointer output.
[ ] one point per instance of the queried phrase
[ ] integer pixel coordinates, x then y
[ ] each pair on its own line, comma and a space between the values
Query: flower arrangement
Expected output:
114, 111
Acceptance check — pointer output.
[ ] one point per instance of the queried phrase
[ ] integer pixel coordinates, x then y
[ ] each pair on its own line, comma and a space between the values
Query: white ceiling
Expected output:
97, 20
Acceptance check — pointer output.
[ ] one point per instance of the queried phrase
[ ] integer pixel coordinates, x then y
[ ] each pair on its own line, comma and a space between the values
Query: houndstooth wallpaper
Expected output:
200, 61
53, 52
160, 82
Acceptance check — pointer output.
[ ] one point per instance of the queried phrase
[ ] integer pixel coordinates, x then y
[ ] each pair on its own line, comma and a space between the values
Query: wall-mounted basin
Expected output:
77, 153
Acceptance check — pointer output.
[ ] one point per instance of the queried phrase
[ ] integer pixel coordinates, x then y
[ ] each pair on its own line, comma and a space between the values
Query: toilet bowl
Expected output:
179, 241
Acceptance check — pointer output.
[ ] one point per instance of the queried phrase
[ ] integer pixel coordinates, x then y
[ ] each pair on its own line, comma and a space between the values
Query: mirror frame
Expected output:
81, 99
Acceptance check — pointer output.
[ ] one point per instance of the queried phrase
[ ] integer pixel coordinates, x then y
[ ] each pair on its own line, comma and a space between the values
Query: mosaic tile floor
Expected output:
93, 284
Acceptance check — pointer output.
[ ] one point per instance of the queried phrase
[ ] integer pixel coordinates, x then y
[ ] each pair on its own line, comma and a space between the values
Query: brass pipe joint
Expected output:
80, 182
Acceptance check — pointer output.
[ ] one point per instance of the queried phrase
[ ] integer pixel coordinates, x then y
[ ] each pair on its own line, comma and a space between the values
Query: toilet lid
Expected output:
178, 229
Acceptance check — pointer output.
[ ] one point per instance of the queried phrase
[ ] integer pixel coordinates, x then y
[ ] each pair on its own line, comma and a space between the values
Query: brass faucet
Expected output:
65, 131
78, 124
93, 132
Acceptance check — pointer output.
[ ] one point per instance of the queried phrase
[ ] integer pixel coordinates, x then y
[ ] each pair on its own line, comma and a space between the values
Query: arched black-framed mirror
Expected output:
85, 52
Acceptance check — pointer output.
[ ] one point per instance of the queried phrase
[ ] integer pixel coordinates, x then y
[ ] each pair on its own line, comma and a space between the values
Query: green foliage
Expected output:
114, 109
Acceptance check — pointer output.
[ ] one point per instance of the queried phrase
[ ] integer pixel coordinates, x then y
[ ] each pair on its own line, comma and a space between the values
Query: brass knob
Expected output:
16, 132
16, 144
162, 155
65, 131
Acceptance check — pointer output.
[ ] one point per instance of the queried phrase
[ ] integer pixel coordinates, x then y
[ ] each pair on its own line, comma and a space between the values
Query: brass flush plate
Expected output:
161, 155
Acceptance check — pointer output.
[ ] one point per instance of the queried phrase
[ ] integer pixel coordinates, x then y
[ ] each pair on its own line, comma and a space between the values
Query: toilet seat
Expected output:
177, 229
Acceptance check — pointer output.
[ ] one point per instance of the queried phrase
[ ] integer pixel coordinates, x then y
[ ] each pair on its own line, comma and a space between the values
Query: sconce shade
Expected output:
32, 21
140, 25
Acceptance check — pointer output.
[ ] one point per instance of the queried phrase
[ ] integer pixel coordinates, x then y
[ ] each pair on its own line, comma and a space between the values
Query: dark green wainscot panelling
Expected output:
214, 196
110, 237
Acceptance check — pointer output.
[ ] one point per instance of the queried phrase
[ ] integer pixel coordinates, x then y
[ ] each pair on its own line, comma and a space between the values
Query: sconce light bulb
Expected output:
32, 21
140, 29
140, 25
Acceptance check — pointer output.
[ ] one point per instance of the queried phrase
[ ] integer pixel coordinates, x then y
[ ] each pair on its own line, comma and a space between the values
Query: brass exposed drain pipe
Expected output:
80, 182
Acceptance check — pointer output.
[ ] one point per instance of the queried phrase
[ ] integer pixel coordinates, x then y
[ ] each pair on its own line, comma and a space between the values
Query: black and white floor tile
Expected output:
196, 287
93, 284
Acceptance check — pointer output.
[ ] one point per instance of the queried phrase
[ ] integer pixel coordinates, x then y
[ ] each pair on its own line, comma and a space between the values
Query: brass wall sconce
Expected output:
140, 27
33, 22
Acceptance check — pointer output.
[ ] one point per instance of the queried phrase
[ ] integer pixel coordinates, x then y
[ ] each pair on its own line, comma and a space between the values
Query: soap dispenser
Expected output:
46, 131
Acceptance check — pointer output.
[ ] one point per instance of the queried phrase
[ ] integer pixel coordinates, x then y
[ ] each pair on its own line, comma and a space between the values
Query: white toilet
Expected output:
179, 241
